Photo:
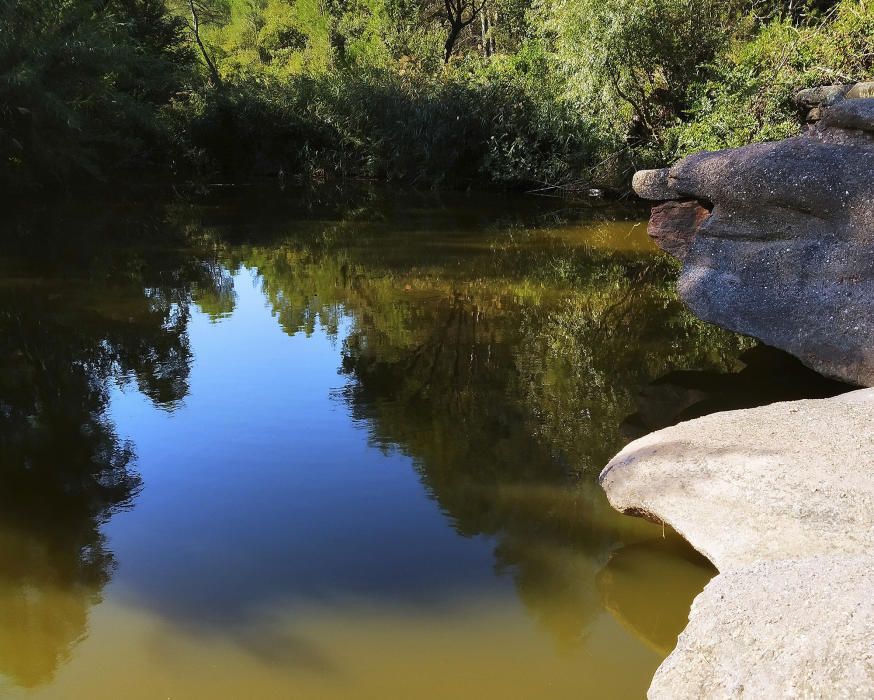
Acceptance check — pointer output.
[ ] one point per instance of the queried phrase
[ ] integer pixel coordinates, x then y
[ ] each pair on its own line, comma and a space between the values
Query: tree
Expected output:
632, 62
458, 14
199, 14
81, 84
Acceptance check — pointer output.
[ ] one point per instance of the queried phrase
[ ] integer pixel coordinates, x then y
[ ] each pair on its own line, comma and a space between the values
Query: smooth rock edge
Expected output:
781, 499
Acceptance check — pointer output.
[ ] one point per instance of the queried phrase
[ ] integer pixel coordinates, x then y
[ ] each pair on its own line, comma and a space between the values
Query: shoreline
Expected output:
781, 499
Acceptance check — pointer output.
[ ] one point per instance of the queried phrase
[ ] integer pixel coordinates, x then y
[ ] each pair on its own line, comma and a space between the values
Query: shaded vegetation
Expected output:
510, 92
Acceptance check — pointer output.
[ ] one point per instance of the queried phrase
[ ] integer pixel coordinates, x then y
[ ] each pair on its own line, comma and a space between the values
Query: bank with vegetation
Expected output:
565, 94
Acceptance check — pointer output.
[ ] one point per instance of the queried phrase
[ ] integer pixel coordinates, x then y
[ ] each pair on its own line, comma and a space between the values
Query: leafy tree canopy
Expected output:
568, 93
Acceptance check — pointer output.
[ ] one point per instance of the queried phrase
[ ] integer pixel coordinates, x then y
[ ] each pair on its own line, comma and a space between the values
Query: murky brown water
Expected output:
252, 447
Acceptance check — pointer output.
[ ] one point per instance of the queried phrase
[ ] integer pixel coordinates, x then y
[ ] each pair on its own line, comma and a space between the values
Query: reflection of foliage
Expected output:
62, 470
584, 362
501, 362
504, 368
120, 316
215, 296
541, 340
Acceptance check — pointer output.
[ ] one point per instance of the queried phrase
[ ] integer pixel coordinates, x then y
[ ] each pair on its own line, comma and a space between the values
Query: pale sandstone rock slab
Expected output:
788, 480
784, 629
781, 499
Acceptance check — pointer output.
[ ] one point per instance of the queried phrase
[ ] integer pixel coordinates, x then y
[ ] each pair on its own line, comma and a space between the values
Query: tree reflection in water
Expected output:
504, 368
504, 364
80, 310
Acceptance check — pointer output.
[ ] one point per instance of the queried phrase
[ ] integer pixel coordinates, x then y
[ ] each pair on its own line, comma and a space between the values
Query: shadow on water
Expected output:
674, 575
509, 355
768, 376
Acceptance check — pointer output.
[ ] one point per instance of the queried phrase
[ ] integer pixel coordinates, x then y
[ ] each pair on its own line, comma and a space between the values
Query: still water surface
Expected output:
259, 447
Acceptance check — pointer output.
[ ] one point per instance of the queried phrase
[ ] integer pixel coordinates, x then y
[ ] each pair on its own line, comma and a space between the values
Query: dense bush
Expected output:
471, 125
663, 78
82, 83
573, 93
749, 94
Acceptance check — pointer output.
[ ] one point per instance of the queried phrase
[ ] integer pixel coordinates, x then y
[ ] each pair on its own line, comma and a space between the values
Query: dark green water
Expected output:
264, 446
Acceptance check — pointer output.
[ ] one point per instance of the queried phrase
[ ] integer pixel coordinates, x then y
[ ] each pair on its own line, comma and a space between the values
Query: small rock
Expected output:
653, 184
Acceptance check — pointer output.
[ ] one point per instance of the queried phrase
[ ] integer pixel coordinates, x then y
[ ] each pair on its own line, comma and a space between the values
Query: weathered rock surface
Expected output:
827, 95
861, 91
783, 481
781, 499
787, 252
821, 96
670, 221
787, 629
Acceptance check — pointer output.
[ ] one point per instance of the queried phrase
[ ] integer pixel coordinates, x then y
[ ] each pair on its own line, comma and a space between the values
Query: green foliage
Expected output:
749, 96
569, 93
625, 57
501, 126
81, 83
662, 78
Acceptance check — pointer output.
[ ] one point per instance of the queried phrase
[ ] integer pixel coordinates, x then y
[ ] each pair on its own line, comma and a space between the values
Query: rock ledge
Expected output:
777, 239
781, 499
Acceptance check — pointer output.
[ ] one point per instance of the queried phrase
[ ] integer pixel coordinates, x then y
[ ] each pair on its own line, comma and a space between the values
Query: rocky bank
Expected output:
777, 242
777, 239
781, 499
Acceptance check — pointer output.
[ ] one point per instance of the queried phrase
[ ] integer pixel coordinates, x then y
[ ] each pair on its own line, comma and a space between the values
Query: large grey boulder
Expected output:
781, 499
786, 253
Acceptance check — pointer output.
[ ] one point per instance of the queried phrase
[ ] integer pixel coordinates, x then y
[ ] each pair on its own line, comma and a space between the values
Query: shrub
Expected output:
750, 94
